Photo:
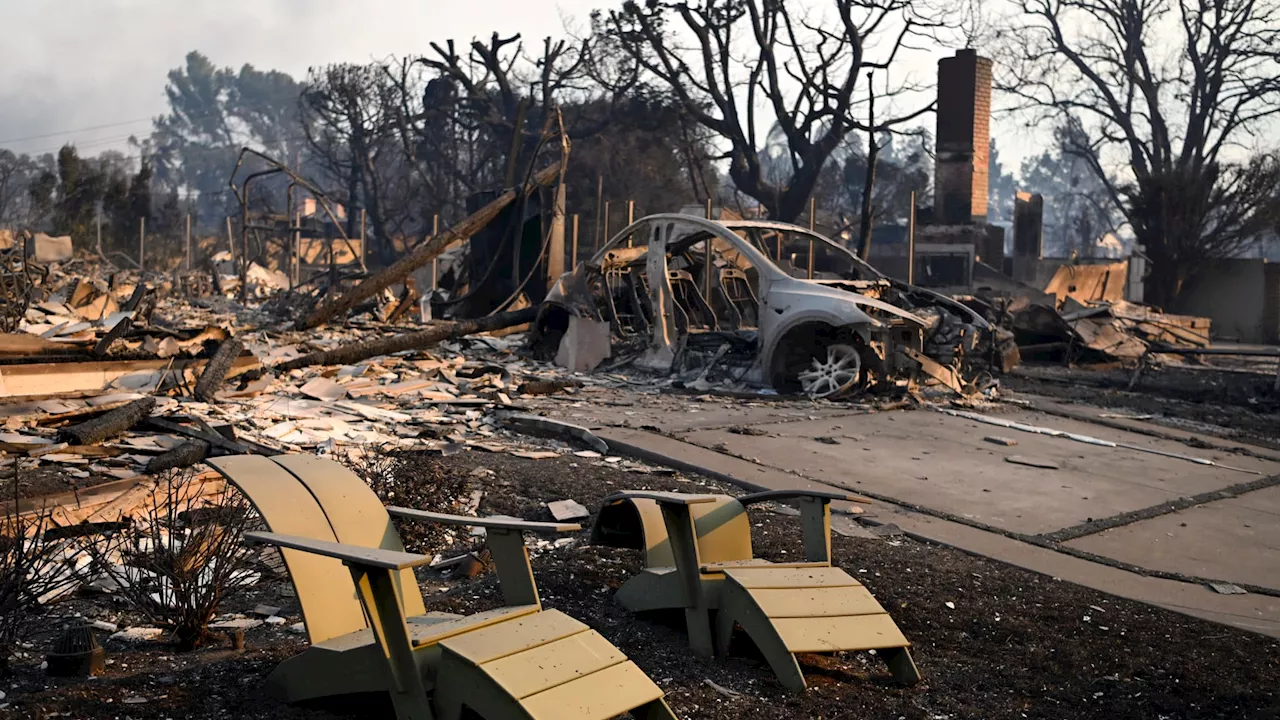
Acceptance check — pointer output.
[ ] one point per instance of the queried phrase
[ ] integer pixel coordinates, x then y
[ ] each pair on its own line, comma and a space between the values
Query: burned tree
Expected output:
511, 98
348, 113
726, 59
1160, 96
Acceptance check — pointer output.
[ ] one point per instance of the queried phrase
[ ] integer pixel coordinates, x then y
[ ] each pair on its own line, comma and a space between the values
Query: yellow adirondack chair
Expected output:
369, 628
698, 557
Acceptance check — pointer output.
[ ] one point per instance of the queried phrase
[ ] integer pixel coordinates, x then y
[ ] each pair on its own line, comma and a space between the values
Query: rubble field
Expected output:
991, 641
113, 383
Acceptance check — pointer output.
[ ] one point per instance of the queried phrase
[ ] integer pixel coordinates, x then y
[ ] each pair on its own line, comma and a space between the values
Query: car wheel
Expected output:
833, 370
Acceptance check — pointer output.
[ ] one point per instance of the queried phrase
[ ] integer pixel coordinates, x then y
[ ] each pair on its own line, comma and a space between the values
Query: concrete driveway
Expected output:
1154, 517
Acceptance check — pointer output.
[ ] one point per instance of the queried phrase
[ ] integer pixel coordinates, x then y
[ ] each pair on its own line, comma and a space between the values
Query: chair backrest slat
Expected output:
355, 513
325, 590
723, 529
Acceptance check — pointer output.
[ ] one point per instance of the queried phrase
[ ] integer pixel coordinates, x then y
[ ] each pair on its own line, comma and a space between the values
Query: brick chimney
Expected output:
964, 136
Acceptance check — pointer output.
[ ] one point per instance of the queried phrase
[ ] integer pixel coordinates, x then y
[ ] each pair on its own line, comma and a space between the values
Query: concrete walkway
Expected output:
1137, 521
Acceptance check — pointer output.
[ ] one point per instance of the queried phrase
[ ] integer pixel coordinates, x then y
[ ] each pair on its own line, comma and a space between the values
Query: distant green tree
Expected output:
131, 203
1002, 188
16, 175
81, 185
1077, 208
213, 112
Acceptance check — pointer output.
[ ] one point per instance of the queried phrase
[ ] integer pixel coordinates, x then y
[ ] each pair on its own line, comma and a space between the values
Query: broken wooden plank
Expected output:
25, 345
548, 427
93, 496
365, 349
337, 303
41, 381
1043, 463
114, 422
119, 330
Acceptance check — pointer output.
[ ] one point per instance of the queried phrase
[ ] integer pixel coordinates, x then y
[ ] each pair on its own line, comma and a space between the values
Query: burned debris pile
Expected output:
1081, 315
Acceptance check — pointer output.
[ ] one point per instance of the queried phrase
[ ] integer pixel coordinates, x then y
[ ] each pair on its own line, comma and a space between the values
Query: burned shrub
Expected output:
34, 570
181, 557
413, 480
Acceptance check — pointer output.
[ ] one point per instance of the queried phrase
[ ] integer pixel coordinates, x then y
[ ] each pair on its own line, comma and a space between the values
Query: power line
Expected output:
189, 117
76, 130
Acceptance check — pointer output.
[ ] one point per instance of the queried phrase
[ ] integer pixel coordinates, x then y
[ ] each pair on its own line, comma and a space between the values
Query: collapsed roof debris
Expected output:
1081, 314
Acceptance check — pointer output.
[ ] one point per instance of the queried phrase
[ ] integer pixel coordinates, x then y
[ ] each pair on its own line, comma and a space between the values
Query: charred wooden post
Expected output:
118, 331
109, 425
215, 371
185, 455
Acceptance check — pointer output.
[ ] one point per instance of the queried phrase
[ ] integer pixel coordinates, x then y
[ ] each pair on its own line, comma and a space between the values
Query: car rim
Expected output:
832, 371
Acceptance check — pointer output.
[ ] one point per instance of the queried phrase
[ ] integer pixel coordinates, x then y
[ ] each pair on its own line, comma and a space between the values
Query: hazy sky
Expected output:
71, 65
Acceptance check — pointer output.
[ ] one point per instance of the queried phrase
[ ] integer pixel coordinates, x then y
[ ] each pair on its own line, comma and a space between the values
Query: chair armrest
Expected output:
348, 554
815, 516
660, 497
797, 494
487, 523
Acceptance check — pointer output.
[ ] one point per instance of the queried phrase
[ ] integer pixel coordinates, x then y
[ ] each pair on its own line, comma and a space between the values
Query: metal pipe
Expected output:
599, 214
435, 261
605, 239
631, 217
911, 241
574, 252
812, 225
706, 260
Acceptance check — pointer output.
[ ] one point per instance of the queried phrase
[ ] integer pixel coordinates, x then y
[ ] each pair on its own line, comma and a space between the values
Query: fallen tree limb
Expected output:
109, 425
355, 352
185, 455
335, 304
215, 371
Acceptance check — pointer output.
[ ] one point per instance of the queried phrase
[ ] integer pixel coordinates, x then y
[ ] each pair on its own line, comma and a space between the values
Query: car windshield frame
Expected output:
741, 228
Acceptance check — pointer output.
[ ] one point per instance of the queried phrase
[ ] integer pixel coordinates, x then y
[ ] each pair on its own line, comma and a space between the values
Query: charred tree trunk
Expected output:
355, 352
868, 187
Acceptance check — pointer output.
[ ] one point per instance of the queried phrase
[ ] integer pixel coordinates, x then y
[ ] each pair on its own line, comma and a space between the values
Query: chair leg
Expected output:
448, 701
724, 632
901, 666
762, 632
381, 601
698, 623
656, 710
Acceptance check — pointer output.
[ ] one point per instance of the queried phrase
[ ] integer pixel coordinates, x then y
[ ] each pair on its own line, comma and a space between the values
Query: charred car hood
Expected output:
800, 292
951, 304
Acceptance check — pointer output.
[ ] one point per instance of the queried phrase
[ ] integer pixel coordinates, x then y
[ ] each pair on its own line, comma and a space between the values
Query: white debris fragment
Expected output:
137, 634
565, 510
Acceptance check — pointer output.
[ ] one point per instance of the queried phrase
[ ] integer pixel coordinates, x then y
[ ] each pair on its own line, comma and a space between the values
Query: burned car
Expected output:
767, 303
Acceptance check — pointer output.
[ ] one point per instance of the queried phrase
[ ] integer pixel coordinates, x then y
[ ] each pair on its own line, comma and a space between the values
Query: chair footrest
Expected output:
811, 610
551, 666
